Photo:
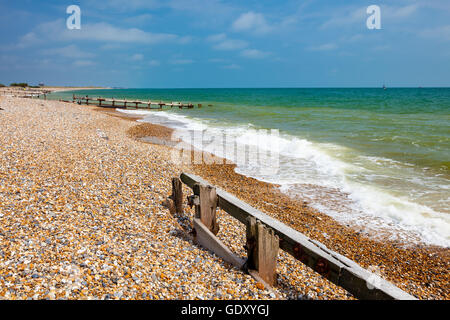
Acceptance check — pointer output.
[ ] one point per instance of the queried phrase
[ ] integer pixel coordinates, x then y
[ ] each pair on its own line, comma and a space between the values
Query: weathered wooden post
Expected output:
177, 195
262, 250
206, 210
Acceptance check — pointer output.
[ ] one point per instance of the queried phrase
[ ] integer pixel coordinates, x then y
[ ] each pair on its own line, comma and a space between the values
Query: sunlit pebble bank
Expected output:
418, 269
81, 217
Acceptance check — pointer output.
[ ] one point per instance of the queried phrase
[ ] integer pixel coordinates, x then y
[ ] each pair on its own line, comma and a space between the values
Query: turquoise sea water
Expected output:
360, 155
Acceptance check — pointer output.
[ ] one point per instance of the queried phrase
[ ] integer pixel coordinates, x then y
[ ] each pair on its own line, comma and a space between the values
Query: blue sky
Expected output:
213, 43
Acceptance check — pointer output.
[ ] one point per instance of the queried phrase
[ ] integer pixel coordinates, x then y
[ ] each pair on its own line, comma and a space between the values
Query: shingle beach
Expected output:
81, 217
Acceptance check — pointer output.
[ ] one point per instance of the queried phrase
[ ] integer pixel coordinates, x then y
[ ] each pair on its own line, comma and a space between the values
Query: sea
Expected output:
372, 158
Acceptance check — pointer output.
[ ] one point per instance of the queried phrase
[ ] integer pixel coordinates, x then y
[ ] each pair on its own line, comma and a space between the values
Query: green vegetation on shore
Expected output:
22, 84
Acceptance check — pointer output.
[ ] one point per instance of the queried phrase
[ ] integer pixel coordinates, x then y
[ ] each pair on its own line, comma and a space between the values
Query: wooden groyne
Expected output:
106, 102
266, 235
124, 103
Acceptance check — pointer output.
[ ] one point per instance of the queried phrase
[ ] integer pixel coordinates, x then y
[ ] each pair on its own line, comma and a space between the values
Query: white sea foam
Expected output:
135, 112
345, 190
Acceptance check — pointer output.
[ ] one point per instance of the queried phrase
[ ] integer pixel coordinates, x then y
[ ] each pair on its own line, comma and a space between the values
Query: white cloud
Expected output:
357, 15
354, 38
153, 63
217, 37
70, 51
182, 61
251, 22
110, 46
137, 57
28, 39
129, 4
139, 19
382, 47
83, 63
217, 60
107, 32
185, 40
211, 10
441, 5
323, 47
231, 44
442, 33
346, 17
231, 66
102, 32
222, 42
254, 54
399, 12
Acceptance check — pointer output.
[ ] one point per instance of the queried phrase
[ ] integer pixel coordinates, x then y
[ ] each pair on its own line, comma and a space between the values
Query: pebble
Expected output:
402, 263
80, 212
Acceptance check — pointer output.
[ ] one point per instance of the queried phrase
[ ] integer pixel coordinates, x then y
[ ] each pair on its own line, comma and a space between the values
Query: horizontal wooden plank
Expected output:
140, 104
291, 241
340, 270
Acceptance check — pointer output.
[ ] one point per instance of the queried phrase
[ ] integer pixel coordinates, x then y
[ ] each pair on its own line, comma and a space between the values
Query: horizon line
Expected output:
128, 88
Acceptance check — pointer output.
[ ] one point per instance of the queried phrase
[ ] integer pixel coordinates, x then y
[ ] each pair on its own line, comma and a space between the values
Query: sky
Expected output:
214, 43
